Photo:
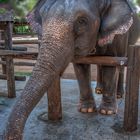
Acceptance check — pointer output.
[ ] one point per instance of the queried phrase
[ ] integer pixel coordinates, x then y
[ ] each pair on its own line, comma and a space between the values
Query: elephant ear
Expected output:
116, 18
38, 14
34, 17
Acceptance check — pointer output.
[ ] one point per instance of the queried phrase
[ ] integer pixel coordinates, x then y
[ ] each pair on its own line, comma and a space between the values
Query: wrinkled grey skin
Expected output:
69, 28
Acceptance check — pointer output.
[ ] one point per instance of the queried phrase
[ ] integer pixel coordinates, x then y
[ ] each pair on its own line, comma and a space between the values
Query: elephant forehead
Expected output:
75, 4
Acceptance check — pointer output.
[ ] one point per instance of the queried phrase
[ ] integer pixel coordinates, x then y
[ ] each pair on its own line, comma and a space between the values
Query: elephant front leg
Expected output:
110, 82
99, 86
87, 102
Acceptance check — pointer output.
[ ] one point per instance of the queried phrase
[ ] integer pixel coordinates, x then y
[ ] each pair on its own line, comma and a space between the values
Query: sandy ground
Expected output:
74, 125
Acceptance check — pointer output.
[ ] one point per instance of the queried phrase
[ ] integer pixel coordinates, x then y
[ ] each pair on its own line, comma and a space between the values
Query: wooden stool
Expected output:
132, 62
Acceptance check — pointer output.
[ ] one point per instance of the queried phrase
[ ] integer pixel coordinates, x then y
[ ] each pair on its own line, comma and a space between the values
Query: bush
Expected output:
2, 10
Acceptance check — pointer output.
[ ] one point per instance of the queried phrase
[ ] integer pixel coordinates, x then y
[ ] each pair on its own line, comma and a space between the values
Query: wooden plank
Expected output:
15, 48
102, 60
132, 89
19, 54
24, 64
19, 63
54, 101
35, 41
17, 78
8, 16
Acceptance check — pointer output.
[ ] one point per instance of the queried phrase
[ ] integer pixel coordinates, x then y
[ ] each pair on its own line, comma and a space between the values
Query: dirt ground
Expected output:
74, 125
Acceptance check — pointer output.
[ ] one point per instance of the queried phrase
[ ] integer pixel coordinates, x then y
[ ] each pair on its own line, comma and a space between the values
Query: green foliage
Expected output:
2, 10
24, 29
138, 2
21, 7
3, 1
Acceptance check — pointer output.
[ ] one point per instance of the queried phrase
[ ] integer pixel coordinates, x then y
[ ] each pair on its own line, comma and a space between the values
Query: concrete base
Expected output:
74, 125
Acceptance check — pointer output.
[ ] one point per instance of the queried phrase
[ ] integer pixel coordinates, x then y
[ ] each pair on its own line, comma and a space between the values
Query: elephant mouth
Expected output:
108, 39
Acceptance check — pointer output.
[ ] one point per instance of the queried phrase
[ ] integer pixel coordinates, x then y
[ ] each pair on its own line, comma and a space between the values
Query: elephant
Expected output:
71, 28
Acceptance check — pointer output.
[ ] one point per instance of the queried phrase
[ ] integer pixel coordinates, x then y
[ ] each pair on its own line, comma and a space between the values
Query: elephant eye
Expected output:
82, 21
81, 25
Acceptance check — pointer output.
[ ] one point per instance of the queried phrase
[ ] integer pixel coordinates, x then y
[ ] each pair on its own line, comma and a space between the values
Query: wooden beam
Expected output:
19, 54
35, 41
19, 63
17, 78
15, 48
102, 60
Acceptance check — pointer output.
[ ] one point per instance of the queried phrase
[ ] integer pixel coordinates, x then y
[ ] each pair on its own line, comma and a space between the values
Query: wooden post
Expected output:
54, 101
132, 89
9, 61
3, 58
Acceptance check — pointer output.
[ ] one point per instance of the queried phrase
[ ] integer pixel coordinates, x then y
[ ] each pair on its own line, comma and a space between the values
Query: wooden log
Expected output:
54, 101
24, 64
17, 78
19, 63
102, 60
19, 54
9, 61
15, 48
132, 89
35, 41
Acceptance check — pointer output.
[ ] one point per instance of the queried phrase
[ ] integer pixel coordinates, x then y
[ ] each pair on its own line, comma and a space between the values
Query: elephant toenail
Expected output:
84, 110
90, 110
110, 112
103, 111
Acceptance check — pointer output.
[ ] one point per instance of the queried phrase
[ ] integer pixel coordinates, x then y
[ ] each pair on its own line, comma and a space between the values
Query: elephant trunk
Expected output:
54, 55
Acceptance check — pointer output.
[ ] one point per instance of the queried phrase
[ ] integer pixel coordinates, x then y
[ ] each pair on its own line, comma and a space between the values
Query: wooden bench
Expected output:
132, 62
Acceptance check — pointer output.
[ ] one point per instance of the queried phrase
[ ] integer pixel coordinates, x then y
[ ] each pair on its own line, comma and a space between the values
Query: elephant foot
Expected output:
87, 106
120, 94
99, 89
108, 106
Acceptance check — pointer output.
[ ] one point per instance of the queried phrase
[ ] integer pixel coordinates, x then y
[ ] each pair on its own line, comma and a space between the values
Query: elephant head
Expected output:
68, 28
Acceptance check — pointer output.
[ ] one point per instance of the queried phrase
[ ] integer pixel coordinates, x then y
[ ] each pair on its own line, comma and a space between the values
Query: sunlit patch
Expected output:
121, 30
